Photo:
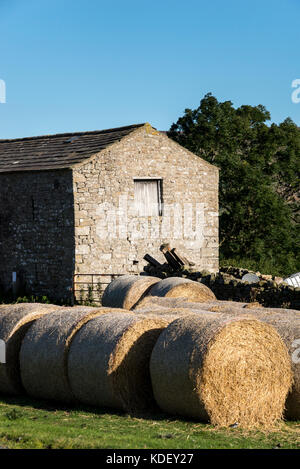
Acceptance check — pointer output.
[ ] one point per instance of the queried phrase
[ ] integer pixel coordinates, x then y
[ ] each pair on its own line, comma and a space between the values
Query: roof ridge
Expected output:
69, 134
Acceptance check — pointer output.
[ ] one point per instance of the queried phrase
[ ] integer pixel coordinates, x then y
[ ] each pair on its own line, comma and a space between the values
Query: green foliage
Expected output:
8, 299
33, 299
259, 180
90, 295
88, 299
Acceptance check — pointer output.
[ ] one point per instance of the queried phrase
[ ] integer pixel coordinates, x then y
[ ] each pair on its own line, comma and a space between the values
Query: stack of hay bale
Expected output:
221, 360
166, 343
97, 356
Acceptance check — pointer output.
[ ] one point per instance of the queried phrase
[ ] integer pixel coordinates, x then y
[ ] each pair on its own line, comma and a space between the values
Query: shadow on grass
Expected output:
25, 401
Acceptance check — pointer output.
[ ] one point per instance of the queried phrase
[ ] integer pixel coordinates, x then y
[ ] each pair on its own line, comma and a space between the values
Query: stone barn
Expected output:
79, 208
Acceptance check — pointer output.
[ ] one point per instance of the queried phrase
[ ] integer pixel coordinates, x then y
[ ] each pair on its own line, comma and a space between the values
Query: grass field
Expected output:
25, 423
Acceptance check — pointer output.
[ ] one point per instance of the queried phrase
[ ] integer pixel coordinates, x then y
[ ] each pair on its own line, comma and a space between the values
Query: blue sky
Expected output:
72, 65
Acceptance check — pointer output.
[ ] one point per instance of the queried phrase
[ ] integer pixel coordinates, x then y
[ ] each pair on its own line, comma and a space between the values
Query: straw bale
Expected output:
157, 301
287, 324
127, 290
286, 321
288, 327
235, 306
227, 370
108, 362
176, 287
181, 302
226, 306
43, 355
255, 304
169, 313
15, 320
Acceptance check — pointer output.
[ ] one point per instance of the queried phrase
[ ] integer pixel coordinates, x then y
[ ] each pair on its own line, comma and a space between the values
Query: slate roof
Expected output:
56, 151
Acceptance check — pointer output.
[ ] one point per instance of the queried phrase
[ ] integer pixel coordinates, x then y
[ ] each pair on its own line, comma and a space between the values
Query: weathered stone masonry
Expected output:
37, 231
83, 220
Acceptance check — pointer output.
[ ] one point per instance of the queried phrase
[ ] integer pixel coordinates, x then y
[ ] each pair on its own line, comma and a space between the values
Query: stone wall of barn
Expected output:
110, 236
37, 232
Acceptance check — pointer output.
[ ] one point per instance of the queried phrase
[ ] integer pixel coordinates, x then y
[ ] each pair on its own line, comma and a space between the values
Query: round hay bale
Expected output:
288, 328
221, 304
176, 287
19, 308
235, 306
168, 314
287, 324
182, 302
163, 301
155, 310
214, 306
286, 313
44, 351
226, 370
108, 363
255, 304
127, 290
15, 320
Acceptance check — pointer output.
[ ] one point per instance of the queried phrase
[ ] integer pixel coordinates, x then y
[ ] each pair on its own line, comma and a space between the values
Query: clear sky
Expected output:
74, 65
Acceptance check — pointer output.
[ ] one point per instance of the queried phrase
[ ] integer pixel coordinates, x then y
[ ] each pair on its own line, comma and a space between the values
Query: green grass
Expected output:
25, 423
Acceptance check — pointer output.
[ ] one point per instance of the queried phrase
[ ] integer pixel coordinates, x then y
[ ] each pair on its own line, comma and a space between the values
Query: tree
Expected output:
259, 179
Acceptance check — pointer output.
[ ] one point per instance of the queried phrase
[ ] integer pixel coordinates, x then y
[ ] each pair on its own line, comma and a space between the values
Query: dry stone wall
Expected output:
227, 285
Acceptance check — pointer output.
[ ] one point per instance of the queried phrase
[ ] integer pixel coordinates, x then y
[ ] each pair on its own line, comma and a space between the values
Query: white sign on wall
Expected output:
2, 351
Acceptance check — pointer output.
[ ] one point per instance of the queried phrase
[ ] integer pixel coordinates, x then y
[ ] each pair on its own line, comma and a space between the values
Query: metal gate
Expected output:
89, 288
